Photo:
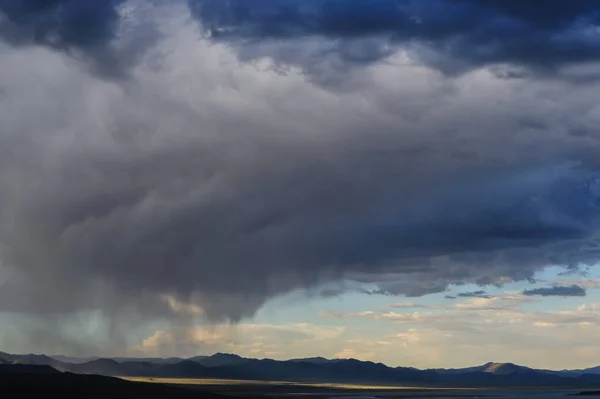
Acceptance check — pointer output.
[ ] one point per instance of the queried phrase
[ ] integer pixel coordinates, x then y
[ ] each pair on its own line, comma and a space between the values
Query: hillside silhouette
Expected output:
229, 366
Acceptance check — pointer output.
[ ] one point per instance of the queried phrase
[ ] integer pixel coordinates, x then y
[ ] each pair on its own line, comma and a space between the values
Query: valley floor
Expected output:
270, 389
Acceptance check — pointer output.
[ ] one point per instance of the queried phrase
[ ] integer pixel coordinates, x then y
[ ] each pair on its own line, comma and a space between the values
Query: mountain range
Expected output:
230, 366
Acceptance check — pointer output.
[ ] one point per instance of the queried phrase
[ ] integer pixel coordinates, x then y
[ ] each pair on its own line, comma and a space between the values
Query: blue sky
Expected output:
367, 337
390, 180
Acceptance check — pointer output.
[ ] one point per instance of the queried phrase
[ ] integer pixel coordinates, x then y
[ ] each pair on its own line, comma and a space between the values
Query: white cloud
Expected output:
351, 353
182, 307
587, 283
253, 340
479, 330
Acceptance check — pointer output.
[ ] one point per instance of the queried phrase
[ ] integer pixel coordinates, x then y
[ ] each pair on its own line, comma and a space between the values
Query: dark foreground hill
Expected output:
27, 369
68, 385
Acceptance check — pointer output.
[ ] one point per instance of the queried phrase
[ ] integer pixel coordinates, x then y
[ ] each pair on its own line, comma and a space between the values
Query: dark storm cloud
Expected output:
453, 35
74, 26
458, 34
200, 180
60, 23
473, 294
557, 290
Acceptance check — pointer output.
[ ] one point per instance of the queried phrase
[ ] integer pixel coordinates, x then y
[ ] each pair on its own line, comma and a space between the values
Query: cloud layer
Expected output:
331, 36
222, 184
476, 331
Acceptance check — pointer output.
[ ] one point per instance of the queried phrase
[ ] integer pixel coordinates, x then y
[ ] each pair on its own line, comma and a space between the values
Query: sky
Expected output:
408, 182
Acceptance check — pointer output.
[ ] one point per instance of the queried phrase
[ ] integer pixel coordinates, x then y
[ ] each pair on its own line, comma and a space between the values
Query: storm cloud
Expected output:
199, 182
60, 22
473, 294
328, 37
86, 30
452, 35
557, 290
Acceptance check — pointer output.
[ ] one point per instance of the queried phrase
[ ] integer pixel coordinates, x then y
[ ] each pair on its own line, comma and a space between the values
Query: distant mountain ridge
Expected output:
493, 368
318, 369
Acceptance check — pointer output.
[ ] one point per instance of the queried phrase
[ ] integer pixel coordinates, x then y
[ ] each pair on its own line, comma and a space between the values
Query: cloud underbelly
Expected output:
196, 177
